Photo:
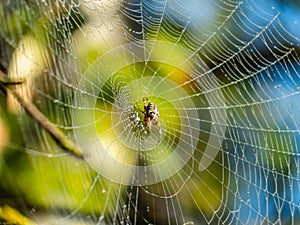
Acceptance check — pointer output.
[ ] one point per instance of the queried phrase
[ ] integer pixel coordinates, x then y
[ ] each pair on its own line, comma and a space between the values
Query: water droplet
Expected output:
33, 210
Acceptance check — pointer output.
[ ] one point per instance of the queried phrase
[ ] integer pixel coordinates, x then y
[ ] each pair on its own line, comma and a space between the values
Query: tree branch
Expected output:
52, 129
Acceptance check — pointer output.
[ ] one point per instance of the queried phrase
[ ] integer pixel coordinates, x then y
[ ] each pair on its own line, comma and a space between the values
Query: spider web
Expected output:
223, 75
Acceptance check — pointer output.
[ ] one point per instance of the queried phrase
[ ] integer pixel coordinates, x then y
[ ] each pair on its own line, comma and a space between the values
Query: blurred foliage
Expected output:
54, 181
43, 180
9, 215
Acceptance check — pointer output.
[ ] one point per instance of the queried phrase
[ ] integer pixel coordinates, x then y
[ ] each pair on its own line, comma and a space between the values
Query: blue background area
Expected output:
262, 193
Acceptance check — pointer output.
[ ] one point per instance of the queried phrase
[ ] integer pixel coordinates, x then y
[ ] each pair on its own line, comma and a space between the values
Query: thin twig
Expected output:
5, 79
53, 130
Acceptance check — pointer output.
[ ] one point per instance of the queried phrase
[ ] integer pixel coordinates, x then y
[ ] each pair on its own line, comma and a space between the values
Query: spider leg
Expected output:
145, 101
159, 131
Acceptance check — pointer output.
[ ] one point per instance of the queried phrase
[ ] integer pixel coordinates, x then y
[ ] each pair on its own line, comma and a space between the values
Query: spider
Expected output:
151, 115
